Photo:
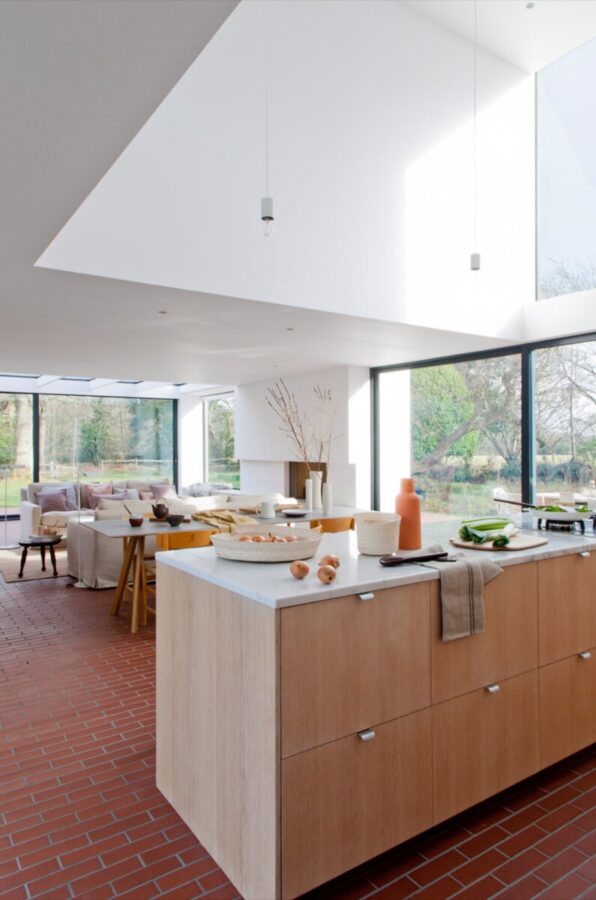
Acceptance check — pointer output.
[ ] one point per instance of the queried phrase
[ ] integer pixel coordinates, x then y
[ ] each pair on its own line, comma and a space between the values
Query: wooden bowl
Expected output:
136, 521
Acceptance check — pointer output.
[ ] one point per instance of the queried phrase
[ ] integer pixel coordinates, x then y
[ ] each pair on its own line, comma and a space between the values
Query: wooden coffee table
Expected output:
41, 541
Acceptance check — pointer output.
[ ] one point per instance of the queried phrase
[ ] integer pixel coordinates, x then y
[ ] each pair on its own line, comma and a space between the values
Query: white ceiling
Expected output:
527, 38
77, 82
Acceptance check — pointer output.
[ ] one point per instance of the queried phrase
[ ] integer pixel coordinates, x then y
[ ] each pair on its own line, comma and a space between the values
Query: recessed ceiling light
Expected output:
530, 5
162, 312
289, 329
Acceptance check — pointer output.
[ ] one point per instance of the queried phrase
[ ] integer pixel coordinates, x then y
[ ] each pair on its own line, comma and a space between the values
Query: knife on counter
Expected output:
394, 560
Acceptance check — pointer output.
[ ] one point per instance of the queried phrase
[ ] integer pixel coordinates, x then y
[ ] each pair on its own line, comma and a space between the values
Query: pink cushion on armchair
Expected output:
52, 501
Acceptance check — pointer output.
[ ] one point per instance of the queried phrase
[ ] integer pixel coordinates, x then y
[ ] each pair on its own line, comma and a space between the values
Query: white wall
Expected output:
560, 316
190, 440
262, 448
370, 139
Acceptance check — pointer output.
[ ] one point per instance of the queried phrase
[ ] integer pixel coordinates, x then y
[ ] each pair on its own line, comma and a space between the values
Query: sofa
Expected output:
31, 513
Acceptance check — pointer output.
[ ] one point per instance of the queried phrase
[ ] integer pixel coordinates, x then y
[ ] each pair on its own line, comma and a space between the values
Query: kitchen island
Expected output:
305, 728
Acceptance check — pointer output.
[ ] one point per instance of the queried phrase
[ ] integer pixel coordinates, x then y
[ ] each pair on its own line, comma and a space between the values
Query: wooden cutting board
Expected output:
517, 542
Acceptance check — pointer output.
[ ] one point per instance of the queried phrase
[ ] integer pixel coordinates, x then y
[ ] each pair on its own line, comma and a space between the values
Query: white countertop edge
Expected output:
186, 561
284, 590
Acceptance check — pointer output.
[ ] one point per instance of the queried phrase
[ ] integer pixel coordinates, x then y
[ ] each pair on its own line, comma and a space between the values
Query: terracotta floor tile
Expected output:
526, 889
433, 869
486, 887
520, 865
560, 865
445, 887
588, 870
479, 866
82, 816
569, 888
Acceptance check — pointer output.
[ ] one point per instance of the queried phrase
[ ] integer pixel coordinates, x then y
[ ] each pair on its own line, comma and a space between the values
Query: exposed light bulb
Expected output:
267, 216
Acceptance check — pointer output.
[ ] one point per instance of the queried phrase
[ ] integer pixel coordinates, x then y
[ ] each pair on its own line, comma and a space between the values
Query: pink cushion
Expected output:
107, 488
146, 495
52, 501
94, 498
163, 491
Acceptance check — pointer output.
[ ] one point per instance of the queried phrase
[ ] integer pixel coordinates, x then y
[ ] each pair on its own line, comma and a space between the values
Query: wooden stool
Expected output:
41, 541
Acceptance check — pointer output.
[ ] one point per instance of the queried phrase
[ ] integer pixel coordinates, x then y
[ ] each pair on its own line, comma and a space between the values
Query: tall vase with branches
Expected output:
311, 433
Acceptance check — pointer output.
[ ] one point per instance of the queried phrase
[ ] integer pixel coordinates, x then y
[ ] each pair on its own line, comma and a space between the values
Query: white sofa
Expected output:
32, 516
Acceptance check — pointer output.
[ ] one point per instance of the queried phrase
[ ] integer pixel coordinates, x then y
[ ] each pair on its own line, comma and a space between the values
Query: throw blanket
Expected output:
223, 519
462, 593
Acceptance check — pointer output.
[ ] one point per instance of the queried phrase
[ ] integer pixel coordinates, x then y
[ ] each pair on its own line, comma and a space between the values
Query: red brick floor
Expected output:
80, 815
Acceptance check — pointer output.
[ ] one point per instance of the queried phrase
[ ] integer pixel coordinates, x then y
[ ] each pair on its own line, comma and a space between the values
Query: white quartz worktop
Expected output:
273, 585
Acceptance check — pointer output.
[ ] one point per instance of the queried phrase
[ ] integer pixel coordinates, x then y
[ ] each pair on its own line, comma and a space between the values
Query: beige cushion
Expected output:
115, 511
146, 485
138, 507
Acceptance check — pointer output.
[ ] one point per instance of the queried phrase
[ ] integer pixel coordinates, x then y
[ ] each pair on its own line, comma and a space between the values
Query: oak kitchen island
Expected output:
305, 728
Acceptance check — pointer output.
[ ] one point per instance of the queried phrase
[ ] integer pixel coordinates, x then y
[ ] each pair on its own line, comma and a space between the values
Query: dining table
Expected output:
133, 561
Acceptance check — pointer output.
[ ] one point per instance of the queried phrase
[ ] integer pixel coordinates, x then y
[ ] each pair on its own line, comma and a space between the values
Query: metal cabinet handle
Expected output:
584, 553
585, 654
369, 596
366, 735
493, 688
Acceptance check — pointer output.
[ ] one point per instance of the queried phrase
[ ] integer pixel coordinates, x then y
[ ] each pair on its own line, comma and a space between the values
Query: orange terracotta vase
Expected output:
407, 505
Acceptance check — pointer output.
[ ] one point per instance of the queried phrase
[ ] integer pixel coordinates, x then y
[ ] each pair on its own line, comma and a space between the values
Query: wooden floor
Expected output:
80, 815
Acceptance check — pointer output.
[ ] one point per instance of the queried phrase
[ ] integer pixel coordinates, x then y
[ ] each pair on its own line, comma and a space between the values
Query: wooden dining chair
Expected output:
330, 526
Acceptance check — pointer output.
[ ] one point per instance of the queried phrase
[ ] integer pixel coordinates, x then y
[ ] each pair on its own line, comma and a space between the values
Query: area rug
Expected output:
10, 562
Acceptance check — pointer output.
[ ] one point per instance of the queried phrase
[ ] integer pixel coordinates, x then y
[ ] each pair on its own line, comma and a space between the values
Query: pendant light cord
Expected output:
266, 33
475, 132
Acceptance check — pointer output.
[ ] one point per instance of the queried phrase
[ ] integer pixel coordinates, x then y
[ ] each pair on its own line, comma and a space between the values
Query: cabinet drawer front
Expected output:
567, 706
508, 646
348, 662
483, 742
352, 799
567, 606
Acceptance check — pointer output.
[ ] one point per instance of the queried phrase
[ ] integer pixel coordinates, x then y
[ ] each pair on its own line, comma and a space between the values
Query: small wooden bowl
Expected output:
136, 521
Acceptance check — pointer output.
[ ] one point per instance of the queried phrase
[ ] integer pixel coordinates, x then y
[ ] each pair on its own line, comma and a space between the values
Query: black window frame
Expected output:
528, 424
36, 423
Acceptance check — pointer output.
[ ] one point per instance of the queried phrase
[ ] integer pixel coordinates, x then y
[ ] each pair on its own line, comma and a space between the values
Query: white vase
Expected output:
317, 480
327, 498
308, 494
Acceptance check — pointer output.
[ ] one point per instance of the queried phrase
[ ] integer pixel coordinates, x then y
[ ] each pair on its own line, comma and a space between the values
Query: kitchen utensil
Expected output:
160, 509
136, 521
266, 509
395, 560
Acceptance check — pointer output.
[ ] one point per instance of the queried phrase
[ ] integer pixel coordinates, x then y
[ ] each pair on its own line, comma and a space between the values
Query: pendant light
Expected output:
267, 217
475, 256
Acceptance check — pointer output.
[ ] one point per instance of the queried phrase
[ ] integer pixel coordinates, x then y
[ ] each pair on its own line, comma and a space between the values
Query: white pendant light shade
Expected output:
267, 216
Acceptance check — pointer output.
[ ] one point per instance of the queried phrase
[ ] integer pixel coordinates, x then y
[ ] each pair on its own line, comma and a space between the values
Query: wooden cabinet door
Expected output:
567, 706
507, 647
567, 606
483, 742
349, 661
352, 799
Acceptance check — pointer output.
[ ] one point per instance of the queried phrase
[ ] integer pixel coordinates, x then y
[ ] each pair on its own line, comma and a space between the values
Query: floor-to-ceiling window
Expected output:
456, 428
520, 424
221, 466
16, 447
566, 173
105, 437
565, 379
